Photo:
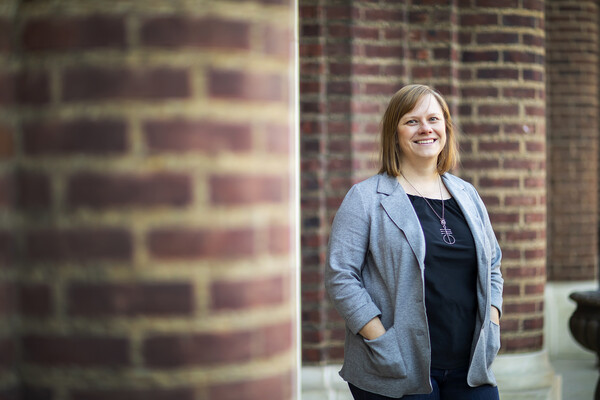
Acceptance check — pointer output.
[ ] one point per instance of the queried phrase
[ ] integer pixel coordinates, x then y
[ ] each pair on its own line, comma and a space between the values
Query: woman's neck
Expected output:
422, 182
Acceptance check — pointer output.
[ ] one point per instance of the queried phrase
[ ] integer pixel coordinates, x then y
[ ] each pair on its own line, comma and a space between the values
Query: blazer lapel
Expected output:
398, 207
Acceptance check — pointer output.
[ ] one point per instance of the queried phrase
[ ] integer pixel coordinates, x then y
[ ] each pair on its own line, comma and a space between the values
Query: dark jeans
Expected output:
447, 385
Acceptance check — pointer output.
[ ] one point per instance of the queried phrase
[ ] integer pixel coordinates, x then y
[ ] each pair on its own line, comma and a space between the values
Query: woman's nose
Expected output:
425, 127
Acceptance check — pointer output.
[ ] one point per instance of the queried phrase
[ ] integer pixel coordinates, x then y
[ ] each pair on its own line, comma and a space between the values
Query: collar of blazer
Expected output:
398, 207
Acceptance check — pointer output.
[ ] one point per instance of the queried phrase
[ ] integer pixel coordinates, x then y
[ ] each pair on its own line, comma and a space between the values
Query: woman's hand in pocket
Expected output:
372, 329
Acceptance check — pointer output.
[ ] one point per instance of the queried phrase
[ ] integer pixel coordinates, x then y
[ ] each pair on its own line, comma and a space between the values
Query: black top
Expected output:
450, 283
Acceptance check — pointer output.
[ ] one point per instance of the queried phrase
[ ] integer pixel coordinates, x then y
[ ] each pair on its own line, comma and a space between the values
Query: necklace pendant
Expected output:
447, 236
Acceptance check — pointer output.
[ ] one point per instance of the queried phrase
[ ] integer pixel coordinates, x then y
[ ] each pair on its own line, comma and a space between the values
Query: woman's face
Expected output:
422, 131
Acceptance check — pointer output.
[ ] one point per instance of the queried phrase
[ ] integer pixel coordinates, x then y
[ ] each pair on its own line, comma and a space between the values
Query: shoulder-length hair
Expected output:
401, 103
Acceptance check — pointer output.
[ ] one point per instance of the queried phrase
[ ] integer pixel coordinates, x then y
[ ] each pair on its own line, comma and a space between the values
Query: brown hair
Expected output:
401, 103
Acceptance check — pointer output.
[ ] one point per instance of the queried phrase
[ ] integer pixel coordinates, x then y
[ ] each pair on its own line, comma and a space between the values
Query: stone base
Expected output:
527, 376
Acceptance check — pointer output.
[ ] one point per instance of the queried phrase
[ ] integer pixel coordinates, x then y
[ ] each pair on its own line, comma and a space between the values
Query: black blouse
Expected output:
450, 283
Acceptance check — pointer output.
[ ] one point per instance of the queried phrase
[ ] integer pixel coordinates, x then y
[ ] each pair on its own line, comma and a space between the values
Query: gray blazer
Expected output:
375, 267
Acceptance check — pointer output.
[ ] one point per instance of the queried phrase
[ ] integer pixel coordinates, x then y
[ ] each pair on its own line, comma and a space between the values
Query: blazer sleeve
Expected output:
348, 246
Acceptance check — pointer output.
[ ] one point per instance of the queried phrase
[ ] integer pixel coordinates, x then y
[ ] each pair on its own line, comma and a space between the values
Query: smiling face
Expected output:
422, 132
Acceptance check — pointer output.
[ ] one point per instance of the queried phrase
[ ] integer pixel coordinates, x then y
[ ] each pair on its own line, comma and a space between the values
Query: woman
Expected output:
414, 266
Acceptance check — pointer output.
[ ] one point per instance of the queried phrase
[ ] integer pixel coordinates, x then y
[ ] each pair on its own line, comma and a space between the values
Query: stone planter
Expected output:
585, 323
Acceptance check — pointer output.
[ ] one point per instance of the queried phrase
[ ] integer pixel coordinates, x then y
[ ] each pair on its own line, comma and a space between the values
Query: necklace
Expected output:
447, 236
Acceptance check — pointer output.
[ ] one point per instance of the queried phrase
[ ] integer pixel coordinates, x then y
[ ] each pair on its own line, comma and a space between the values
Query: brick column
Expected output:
502, 114
8, 219
573, 139
572, 81
156, 162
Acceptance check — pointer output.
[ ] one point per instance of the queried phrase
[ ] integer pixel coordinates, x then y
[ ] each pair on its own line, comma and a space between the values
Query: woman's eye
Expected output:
411, 122
434, 119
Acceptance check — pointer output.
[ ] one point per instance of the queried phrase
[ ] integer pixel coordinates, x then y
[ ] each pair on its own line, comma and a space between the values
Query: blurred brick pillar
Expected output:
156, 165
8, 218
573, 139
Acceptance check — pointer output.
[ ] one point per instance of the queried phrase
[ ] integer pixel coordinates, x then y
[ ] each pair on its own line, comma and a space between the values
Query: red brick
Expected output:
500, 218
480, 128
497, 3
278, 387
523, 343
26, 87
8, 354
533, 75
181, 31
310, 50
478, 19
499, 182
101, 84
522, 272
7, 29
535, 253
133, 394
239, 189
535, 288
497, 37
33, 190
497, 73
35, 300
535, 111
479, 92
7, 190
7, 249
338, 12
239, 85
198, 244
78, 245
522, 57
522, 93
480, 56
8, 304
503, 146
520, 20
279, 139
533, 324
522, 200
96, 190
93, 137
498, 110
251, 293
509, 325
74, 33
388, 15
35, 392
207, 349
202, 136
131, 299
384, 51
6, 141
84, 351
519, 308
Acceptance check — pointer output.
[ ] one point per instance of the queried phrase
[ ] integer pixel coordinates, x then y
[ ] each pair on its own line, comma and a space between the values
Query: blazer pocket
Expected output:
493, 343
384, 355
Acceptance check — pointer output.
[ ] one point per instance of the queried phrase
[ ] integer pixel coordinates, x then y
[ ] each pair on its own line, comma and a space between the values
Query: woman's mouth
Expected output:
425, 141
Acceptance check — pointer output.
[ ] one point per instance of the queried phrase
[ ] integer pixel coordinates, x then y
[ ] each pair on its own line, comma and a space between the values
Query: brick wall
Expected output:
154, 157
573, 134
8, 156
487, 58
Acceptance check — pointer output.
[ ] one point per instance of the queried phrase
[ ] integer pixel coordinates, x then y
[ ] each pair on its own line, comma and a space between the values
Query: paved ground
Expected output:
579, 378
